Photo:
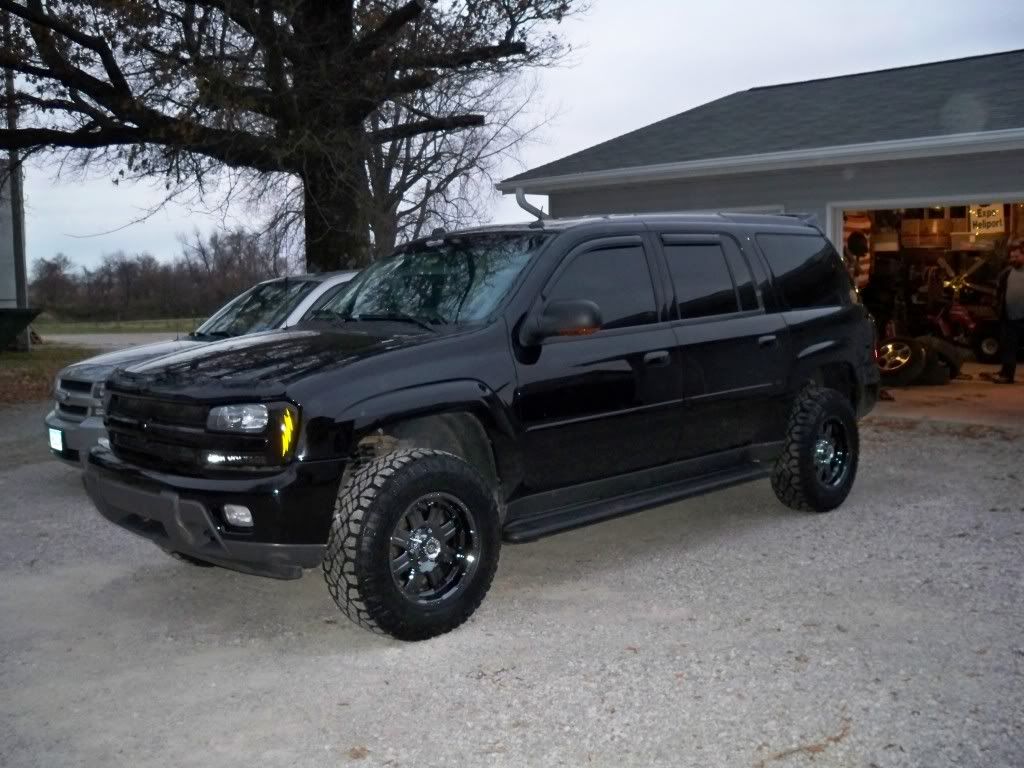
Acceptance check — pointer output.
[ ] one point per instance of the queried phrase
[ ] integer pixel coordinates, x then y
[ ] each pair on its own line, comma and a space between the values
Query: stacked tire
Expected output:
925, 361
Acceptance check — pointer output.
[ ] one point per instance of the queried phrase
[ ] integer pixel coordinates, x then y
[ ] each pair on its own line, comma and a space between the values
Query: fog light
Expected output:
238, 516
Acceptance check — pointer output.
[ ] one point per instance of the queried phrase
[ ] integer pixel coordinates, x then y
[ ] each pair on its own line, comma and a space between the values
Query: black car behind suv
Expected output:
502, 383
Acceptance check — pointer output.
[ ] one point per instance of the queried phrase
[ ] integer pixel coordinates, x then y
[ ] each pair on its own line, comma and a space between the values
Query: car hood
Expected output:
99, 367
260, 365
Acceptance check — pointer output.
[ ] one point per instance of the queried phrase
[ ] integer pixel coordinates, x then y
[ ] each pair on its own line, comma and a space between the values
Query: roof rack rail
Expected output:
803, 218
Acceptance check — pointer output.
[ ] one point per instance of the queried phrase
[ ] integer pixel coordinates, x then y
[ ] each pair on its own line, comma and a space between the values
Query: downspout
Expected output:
529, 207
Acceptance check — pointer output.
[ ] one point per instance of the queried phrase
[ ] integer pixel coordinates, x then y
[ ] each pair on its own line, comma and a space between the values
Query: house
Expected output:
926, 161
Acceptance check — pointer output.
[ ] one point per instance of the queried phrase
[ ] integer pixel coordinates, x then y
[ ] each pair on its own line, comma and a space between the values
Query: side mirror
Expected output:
575, 317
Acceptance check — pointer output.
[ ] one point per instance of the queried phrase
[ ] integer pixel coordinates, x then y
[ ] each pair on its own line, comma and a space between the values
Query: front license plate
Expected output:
57, 440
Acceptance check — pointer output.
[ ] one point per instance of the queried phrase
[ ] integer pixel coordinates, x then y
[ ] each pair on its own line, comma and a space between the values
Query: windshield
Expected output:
458, 280
261, 308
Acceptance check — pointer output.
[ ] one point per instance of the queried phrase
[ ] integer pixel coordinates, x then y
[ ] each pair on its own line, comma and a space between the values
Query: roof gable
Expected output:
928, 100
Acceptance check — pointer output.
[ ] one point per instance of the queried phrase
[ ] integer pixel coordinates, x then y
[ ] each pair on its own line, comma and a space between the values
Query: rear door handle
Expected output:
659, 358
771, 340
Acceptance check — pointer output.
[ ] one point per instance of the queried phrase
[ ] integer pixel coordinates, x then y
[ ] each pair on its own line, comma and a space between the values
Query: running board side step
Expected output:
579, 515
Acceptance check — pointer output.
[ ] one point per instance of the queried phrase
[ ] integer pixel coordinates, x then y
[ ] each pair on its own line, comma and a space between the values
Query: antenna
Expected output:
529, 207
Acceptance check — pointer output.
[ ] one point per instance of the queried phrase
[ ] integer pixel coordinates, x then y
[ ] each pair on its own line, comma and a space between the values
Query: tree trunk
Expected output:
335, 223
384, 224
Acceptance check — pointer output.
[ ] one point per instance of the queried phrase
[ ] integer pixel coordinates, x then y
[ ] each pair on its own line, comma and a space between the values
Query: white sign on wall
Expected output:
987, 219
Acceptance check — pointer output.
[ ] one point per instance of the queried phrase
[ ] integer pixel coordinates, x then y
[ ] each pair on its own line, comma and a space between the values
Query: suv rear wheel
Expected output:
414, 544
819, 463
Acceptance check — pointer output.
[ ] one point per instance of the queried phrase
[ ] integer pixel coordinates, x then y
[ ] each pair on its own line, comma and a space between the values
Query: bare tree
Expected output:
446, 179
185, 88
430, 180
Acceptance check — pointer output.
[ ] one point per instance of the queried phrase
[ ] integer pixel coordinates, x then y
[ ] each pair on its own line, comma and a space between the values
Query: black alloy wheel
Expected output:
832, 453
435, 548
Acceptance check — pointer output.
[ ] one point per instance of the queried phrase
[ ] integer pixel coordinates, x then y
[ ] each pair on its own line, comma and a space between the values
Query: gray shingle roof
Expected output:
981, 93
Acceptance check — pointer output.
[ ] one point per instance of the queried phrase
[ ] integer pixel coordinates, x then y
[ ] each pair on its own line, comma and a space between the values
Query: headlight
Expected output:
264, 436
250, 419
99, 391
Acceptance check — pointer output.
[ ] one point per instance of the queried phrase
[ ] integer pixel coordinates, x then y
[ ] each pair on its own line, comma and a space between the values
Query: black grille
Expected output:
72, 412
153, 411
169, 436
71, 385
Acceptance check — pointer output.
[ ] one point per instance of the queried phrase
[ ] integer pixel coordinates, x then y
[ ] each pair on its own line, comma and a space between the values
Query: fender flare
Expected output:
430, 399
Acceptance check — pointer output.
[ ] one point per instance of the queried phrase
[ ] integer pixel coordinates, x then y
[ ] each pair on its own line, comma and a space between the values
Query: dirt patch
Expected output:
28, 376
813, 749
944, 429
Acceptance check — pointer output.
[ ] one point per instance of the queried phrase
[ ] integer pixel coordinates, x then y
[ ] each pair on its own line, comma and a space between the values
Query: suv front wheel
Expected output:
819, 462
414, 544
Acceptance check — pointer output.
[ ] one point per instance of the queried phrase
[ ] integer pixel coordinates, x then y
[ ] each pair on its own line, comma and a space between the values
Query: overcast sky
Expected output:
636, 61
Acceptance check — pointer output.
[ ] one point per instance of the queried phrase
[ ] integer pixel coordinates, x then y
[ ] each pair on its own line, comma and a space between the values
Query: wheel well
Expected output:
840, 377
459, 433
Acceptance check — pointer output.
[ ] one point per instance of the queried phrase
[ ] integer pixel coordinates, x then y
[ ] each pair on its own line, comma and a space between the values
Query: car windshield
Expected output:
261, 308
455, 280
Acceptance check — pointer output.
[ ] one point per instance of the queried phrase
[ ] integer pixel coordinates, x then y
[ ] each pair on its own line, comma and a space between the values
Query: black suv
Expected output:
499, 383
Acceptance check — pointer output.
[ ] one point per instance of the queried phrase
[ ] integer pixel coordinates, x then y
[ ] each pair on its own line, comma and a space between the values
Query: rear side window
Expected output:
701, 278
808, 271
616, 279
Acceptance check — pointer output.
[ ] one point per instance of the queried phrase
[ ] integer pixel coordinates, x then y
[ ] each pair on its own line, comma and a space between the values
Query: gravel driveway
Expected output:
723, 631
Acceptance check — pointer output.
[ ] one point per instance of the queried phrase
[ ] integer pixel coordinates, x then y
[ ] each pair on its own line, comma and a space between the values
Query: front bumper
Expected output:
80, 437
291, 512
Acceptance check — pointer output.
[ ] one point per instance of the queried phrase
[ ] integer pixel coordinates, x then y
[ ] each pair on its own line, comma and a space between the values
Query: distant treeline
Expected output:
124, 286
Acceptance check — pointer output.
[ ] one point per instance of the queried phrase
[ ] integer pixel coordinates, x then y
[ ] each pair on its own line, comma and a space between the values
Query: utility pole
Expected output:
24, 340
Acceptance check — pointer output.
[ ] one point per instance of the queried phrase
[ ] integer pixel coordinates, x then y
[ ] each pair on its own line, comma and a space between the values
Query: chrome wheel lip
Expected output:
434, 549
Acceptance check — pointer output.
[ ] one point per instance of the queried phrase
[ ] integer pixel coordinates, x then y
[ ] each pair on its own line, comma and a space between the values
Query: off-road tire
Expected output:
356, 561
795, 478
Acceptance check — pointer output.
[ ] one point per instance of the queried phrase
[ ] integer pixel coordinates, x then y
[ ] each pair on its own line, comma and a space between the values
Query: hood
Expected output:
260, 365
99, 367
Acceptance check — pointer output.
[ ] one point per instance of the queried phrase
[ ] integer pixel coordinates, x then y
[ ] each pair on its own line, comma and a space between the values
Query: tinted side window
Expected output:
701, 279
616, 279
808, 271
741, 275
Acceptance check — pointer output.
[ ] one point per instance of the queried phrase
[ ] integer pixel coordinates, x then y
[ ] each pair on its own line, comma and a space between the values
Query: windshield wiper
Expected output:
396, 317
211, 335
328, 316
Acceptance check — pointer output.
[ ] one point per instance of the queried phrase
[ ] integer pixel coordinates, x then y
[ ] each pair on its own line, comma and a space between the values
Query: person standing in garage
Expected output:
1010, 304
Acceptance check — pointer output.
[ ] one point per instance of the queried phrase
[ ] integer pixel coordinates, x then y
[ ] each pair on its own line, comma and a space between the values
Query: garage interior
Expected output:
929, 272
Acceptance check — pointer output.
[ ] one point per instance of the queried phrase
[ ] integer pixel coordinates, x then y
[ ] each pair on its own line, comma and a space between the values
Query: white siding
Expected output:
961, 179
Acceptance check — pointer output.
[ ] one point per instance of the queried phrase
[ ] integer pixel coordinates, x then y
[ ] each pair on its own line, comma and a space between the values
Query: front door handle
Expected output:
656, 359
771, 340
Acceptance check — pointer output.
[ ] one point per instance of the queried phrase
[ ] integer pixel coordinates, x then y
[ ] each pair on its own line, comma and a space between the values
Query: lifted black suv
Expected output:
499, 383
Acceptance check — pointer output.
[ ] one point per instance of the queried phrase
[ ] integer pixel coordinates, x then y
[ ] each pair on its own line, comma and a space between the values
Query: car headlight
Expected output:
249, 419
265, 436
99, 391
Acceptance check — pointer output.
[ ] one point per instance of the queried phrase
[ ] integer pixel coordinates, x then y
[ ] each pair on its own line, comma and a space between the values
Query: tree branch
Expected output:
406, 130
458, 59
389, 28
27, 138
33, 12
